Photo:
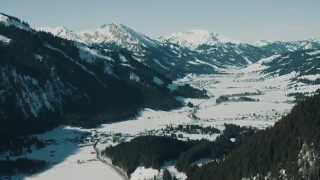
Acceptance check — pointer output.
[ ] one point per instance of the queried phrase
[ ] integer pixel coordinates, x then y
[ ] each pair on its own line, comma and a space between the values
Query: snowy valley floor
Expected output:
73, 157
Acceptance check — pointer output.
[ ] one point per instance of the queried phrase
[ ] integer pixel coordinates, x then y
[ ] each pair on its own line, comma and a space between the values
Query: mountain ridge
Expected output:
46, 81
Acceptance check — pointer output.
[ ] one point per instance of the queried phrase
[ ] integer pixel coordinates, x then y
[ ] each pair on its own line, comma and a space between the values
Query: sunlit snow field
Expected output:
72, 159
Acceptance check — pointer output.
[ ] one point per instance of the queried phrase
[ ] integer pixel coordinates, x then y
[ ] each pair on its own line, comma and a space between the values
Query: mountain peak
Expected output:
196, 37
118, 34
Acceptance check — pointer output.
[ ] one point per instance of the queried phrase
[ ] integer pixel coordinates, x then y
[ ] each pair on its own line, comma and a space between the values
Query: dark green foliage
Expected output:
238, 97
199, 151
21, 166
20, 144
90, 100
147, 151
272, 149
188, 91
192, 129
248, 99
216, 150
153, 151
222, 99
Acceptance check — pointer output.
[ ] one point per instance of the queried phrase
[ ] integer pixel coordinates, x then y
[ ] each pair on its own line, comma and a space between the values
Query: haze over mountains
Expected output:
55, 76
205, 50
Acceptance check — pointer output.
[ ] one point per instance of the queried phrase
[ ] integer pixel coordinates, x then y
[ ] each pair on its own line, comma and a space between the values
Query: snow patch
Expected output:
194, 38
142, 173
38, 57
123, 58
134, 77
118, 34
90, 55
158, 81
5, 40
172, 87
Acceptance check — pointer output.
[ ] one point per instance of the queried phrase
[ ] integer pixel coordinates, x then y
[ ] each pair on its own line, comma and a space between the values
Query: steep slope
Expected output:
198, 52
120, 35
170, 59
300, 69
46, 80
289, 150
302, 62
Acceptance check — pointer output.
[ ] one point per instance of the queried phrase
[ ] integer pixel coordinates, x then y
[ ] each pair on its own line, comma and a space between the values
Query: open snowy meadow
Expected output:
72, 155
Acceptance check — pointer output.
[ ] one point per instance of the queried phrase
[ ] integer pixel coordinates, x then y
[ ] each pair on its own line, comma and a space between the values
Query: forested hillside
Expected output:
46, 81
289, 150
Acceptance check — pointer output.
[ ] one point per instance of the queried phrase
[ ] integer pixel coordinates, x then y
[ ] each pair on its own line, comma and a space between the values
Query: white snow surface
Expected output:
116, 33
108, 33
194, 38
62, 32
142, 173
88, 167
69, 160
271, 91
4, 39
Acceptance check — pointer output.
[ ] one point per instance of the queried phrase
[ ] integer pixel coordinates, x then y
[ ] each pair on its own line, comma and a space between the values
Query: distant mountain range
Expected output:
46, 80
194, 51
50, 76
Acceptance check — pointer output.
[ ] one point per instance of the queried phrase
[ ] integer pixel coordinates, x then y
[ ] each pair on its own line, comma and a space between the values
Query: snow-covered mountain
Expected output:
46, 80
118, 34
194, 51
113, 33
195, 38
62, 32
110, 73
171, 60
216, 49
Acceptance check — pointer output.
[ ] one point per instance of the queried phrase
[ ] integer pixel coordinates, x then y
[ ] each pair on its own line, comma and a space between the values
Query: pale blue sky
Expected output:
244, 20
